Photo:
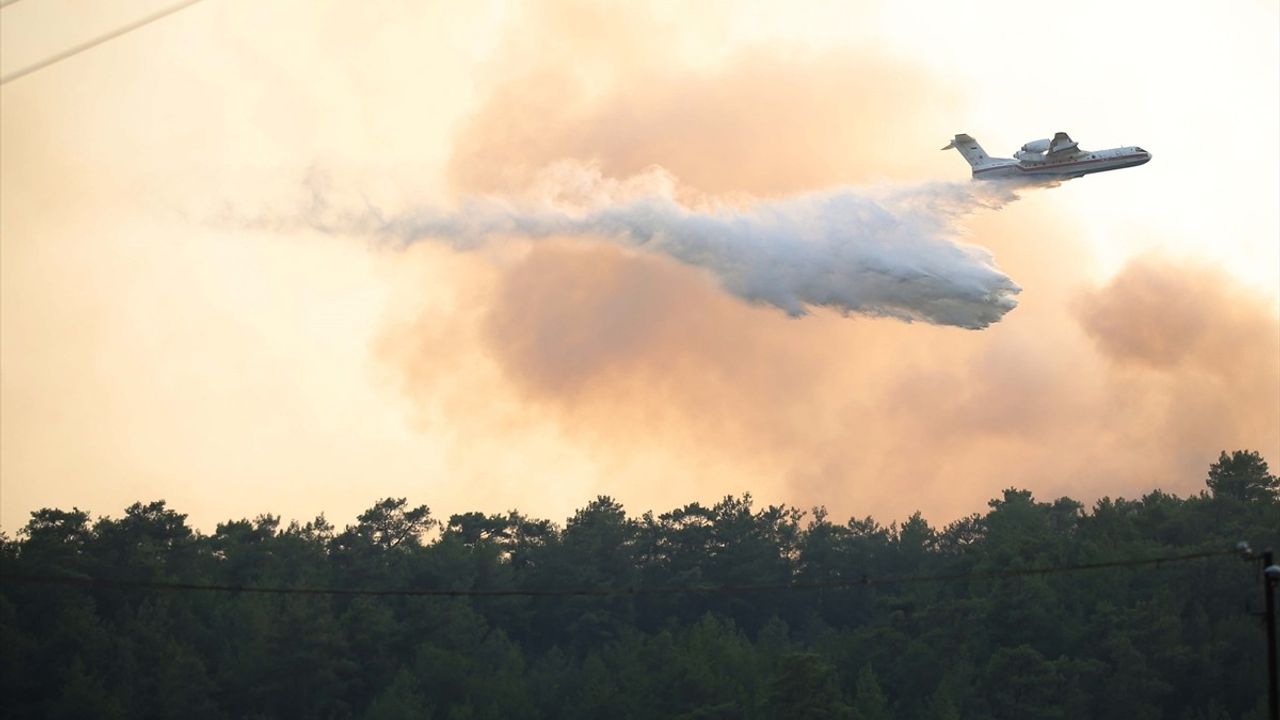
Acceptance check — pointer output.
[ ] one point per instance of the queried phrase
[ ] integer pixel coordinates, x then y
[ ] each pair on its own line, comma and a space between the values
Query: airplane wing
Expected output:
1062, 143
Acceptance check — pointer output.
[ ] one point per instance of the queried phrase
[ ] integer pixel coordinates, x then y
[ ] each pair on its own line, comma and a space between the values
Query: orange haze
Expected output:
152, 348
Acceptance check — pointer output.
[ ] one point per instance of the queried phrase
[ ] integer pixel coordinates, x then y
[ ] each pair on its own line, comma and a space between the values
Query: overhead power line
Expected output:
94, 42
866, 581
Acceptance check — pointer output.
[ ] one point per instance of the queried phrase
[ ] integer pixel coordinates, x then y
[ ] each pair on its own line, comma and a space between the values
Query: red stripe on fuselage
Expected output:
1056, 167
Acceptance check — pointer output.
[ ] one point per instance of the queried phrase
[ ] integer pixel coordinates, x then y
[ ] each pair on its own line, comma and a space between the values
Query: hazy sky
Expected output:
169, 329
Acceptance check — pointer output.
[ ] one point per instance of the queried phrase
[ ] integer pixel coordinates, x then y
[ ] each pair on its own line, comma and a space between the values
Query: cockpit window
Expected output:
1139, 149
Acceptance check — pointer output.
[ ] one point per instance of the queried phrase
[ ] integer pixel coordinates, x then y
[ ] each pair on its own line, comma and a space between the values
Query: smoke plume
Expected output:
885, 253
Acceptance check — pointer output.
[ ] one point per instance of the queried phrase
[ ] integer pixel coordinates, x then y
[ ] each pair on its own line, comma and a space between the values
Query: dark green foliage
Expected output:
806, 687
1175, 641
400, 699
1242, 476
869, 701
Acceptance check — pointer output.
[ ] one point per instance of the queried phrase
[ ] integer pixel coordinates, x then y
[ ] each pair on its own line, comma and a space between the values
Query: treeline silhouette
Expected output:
1179, 640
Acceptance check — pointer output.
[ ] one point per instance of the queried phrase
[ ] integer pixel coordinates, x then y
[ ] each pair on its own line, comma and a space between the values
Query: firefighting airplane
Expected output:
1058, 159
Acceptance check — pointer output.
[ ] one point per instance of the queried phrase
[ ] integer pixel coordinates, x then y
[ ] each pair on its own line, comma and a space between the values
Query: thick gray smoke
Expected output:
889, 253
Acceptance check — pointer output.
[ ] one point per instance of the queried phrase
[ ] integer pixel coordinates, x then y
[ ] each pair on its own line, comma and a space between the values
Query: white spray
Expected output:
889, 253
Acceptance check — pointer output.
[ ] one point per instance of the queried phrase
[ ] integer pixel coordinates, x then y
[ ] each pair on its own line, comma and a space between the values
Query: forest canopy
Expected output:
1178, 640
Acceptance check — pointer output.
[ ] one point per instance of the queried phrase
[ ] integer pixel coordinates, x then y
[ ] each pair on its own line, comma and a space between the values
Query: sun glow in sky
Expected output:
159, 340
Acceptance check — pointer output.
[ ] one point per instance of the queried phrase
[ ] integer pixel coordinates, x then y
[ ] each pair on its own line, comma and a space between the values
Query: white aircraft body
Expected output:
1059, 158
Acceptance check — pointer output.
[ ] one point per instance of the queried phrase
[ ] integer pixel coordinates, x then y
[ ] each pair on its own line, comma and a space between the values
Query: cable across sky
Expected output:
865, 581
95, 41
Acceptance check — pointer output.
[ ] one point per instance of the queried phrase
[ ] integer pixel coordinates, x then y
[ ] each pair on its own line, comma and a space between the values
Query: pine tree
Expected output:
1244, 476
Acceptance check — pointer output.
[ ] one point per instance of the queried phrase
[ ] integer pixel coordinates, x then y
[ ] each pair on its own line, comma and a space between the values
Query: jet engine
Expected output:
1034, 150
1037, 146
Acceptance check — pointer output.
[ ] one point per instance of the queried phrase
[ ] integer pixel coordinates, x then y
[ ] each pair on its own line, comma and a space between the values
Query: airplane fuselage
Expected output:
1071, 165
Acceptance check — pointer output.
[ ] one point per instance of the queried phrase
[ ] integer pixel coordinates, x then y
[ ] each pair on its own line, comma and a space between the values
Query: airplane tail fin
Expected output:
970, 149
